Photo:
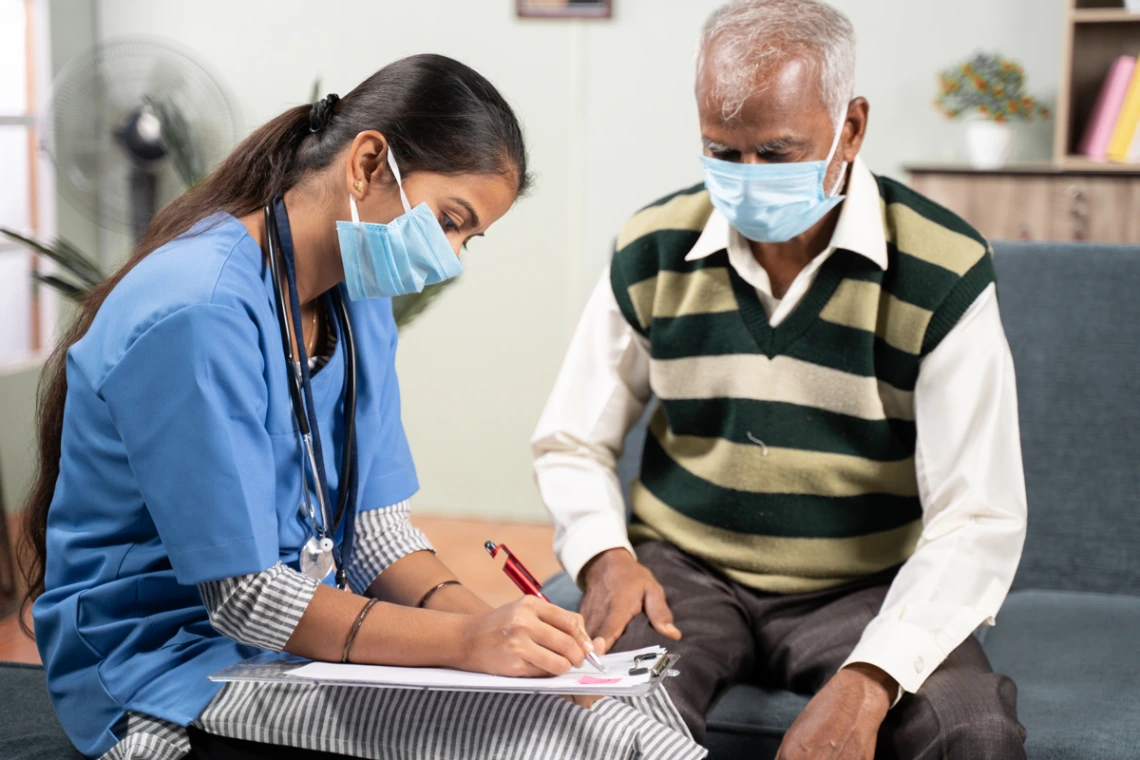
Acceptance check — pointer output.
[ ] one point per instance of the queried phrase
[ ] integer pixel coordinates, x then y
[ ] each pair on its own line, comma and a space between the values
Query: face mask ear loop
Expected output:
352, 208
830, 155
399, 183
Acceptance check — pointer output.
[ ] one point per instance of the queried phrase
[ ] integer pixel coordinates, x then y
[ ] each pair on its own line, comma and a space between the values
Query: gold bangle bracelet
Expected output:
355, 629
429, 594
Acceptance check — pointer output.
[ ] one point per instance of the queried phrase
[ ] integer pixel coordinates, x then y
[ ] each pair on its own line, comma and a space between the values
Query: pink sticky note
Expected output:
594, 680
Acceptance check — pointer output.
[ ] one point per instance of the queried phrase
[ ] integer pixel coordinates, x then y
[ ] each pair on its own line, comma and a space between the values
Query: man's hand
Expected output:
618, 587
842, 721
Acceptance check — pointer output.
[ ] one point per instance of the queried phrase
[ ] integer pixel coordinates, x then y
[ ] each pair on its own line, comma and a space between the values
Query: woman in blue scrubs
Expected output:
169, 515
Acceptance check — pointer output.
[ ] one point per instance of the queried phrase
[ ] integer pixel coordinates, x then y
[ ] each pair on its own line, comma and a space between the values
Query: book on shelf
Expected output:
1106, 112
1127, 122
1134, 148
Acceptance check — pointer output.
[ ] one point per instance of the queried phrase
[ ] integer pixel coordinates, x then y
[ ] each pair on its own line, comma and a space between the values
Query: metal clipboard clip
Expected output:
663, 668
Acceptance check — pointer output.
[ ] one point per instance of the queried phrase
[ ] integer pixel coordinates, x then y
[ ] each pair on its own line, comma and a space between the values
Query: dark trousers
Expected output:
797, 642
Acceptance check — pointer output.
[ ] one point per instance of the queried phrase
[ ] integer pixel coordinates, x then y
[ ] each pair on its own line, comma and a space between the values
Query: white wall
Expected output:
608, 110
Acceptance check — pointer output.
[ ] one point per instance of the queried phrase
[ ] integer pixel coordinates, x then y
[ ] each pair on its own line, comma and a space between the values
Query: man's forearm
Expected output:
586, 505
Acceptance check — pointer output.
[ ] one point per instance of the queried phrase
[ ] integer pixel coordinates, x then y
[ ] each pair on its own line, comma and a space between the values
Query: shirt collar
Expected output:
859, 229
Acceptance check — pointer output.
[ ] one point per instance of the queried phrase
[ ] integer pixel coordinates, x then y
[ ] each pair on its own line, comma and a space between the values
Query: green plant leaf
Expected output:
63, 253
315, 91
67, 289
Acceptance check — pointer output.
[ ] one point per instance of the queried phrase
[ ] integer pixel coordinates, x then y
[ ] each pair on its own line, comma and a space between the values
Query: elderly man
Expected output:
831, 497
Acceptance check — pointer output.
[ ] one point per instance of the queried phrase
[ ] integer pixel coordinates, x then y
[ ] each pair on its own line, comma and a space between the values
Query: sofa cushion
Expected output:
29, 729
1069, 314
747, 709
562, 591
1075, 659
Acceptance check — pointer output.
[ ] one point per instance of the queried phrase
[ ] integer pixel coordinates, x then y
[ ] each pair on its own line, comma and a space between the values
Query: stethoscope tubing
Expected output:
344, 511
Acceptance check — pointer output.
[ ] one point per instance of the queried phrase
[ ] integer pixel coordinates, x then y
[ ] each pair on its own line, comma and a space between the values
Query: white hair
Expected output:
751, 35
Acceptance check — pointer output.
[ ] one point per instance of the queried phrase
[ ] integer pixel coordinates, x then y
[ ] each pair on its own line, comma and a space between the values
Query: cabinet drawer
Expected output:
1100, 209
1062, 207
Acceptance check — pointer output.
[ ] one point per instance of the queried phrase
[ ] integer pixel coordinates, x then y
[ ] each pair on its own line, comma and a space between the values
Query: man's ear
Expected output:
856, 126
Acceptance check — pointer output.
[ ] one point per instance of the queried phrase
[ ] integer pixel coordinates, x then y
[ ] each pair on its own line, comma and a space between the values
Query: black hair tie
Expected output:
322, 111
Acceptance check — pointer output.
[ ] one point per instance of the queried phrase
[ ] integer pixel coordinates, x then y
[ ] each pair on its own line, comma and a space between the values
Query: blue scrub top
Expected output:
180, 465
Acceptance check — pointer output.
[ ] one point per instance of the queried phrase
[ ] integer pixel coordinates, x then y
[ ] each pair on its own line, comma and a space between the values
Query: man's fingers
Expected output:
613, 626
658, 612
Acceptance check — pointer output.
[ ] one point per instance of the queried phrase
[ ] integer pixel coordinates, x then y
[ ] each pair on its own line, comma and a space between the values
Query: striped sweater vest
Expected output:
785, 457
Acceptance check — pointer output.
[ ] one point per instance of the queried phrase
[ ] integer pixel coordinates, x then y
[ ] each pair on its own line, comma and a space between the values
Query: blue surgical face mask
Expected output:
773, 203
404, 256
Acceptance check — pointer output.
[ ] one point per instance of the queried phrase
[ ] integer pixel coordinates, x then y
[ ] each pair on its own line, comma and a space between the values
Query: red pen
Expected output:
529, 585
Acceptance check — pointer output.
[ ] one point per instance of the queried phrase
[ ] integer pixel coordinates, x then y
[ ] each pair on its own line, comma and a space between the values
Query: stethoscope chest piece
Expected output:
317, 557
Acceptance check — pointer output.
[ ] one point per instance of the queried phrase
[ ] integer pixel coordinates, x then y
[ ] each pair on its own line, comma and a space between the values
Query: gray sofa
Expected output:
1069, 633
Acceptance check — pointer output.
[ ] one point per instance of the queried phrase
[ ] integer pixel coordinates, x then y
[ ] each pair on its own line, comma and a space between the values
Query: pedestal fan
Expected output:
131, 124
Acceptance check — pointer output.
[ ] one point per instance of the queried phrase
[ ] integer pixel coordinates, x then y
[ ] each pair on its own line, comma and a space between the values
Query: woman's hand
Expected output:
528, 637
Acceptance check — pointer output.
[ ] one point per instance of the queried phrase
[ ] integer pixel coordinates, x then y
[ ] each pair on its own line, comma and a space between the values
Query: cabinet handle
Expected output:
1078, 212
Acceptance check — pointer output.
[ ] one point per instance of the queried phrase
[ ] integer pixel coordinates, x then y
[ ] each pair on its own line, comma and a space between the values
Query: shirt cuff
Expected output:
261, 609
905, 652
588, 537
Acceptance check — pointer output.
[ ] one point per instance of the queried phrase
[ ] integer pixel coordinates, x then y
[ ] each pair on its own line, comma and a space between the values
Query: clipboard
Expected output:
649, 666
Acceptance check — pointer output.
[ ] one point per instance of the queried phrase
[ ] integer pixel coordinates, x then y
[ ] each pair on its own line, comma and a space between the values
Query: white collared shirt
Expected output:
967, 450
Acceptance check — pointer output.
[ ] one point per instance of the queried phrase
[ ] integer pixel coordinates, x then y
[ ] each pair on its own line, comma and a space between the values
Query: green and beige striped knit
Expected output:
784, 457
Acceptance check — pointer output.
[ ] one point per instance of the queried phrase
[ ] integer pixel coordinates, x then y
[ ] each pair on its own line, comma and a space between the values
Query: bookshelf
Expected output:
1103, 16
1096, 33
1068, 197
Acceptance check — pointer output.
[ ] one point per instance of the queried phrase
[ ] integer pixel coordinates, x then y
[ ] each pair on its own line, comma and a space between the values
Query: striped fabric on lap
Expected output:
396, 724
262, 610
150, 739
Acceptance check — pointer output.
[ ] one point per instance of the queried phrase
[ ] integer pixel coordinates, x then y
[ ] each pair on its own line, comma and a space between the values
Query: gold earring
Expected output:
358, 186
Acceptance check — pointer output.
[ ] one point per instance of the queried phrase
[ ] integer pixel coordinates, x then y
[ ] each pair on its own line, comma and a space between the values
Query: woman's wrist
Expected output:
458, 599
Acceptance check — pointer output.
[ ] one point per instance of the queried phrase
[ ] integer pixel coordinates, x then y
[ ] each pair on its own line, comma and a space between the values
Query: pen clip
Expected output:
514, 566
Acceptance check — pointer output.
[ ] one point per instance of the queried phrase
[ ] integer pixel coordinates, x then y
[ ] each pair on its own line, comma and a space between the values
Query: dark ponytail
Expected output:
437, 114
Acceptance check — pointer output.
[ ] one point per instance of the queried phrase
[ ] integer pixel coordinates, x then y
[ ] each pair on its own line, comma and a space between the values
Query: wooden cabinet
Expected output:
1038, 203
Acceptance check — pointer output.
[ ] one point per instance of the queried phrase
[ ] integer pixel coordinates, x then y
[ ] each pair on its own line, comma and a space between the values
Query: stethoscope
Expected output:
321, 552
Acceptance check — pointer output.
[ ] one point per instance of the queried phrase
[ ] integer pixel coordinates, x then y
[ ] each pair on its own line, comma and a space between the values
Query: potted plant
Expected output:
988, 91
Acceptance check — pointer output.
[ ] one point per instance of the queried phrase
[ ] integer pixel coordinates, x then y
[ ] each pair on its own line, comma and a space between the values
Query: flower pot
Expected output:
988, 144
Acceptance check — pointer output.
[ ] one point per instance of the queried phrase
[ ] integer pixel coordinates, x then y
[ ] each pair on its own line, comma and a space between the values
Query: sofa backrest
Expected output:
1072, 316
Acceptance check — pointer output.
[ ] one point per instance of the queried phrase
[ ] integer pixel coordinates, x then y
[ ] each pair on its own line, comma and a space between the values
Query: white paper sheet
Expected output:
584, 680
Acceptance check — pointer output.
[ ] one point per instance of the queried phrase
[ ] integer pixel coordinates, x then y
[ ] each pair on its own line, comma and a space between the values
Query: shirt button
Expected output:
918, 664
